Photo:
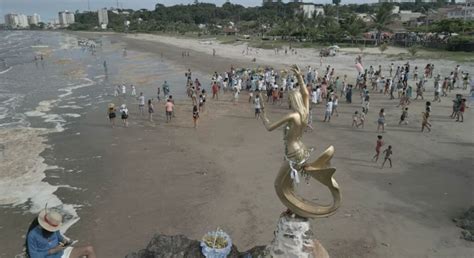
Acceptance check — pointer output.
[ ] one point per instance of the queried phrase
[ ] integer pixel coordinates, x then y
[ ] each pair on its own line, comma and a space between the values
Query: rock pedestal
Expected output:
294, 239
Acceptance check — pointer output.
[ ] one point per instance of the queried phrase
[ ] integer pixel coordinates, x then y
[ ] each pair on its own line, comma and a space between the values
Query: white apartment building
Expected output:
65, 18
103, 17
34, 19
309, 10
461, 12
16, 21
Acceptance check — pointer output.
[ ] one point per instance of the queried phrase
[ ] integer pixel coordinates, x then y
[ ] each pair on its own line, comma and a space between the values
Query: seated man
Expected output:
44, 240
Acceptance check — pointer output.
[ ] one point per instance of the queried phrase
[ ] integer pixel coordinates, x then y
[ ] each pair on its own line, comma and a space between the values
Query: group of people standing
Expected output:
142, 102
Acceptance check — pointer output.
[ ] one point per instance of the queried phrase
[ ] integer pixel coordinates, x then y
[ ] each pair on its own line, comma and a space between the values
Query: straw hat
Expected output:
111, 105
50, 220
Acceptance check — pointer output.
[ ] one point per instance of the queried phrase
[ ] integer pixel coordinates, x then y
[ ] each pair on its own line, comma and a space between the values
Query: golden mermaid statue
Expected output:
297, 155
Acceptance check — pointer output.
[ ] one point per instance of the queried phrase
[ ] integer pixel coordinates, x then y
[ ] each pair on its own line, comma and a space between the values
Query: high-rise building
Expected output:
103, 16
16, 21
66, 18
34, 19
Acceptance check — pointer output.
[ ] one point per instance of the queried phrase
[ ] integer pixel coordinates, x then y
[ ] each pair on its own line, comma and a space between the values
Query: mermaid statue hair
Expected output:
297, 103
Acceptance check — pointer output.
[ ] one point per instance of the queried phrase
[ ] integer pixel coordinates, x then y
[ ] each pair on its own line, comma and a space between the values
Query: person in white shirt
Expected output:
328, 113
134, 90
124, 114
257, 105
314, 97
141, 104
124, 90
318, 94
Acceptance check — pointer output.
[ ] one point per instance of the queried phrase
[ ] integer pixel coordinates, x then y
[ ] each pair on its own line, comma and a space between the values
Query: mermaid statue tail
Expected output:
318, 170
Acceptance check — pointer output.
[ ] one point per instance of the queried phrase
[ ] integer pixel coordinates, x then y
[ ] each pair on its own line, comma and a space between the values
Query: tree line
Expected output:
272, 19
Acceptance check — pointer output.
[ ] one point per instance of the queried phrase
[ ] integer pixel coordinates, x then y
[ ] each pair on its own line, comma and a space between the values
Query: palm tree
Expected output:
382, 19
354, 26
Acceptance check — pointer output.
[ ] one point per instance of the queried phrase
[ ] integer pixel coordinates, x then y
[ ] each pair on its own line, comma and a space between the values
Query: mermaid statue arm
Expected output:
303, 89
272, 126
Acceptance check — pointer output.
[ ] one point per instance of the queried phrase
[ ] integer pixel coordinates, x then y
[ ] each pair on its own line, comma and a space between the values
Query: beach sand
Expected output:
157, 177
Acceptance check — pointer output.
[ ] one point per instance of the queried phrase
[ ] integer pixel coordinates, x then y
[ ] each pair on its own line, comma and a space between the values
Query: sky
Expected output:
48, 9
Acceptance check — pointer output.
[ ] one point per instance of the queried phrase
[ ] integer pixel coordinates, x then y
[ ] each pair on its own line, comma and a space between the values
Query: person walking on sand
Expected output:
111, 114
170, 98
141, 104
460, 112
215, 91
388, 155
328, 113
378, 147
381, 121
166, 89
257, 105
124, 90
124, 114
151, 110
419, 90
425, 122
43, 239
235, 99
134, 90
355, 118
117, 91
195, 115
437, 91
362, 119
169, 108
404, 117
335, 104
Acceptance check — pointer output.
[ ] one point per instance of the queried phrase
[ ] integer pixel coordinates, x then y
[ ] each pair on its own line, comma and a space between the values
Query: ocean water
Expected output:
43, 97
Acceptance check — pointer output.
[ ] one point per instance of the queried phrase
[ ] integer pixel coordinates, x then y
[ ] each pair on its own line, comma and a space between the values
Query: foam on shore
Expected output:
22, 171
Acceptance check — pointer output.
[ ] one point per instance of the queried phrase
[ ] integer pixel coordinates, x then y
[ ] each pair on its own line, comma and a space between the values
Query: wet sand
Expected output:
174, 179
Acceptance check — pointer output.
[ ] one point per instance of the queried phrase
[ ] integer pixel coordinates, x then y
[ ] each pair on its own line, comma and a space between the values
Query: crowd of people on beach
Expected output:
326, 88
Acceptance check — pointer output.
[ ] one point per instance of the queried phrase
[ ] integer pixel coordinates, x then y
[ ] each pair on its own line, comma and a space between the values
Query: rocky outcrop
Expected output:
466, 222
163, 246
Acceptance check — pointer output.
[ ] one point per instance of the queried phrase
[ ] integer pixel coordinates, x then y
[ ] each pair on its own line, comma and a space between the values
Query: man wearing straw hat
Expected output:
45, 241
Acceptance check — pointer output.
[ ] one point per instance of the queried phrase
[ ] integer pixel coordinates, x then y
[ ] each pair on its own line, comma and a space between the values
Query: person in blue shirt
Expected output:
45, 241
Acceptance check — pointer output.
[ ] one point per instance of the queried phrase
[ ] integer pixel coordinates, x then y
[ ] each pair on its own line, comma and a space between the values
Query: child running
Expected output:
388, 155
404, 117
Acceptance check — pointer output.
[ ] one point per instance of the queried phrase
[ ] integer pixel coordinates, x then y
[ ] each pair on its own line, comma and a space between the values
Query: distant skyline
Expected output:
48, 9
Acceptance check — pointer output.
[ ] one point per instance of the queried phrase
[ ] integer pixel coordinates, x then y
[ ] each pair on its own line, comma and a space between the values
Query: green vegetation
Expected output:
280, 22
413, 50
383, 47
